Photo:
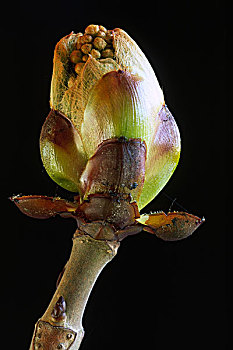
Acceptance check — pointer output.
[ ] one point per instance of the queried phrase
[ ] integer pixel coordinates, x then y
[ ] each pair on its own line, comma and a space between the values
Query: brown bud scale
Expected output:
111, 170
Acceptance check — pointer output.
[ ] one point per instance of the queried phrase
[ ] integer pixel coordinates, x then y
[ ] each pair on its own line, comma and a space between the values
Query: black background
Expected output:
153, 295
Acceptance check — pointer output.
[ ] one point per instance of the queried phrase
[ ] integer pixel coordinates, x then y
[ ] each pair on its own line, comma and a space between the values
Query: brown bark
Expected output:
61, 325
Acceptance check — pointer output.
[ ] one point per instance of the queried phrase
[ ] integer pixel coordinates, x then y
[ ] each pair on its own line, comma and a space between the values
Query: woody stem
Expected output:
61, 325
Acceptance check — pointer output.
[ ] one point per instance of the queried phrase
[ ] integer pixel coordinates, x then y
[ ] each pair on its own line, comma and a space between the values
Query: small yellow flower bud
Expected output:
87, 38
92, 29
85, 58
76, 56
108, 53
101, 34
103, 29
80, 41
109, 37
78, 67
86, 48
95, 53
99, 43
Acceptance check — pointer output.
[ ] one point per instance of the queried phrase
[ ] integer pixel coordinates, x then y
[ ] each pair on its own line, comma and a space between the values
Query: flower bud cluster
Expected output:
96, 41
